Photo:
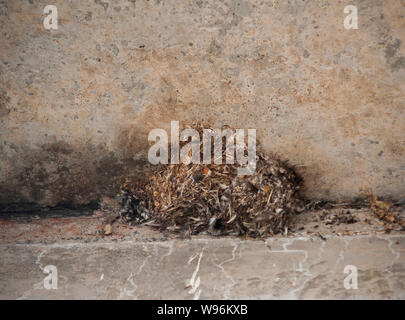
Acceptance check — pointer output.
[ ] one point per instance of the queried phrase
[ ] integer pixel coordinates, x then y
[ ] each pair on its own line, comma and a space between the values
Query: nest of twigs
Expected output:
214, 199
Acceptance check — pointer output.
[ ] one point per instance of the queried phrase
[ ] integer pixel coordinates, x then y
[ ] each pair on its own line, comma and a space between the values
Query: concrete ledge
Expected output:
207, 268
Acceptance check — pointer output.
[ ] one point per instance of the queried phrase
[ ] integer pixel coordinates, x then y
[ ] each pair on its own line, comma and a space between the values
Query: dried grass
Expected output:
196, 198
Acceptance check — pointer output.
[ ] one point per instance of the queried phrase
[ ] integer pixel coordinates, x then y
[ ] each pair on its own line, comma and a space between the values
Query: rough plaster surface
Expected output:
299, 268
77, 103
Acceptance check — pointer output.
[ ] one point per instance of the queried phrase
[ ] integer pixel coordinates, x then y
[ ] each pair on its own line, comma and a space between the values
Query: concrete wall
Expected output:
77, 103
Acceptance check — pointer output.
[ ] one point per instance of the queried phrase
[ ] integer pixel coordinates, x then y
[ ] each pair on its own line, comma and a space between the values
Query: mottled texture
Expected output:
77, 103
283, 268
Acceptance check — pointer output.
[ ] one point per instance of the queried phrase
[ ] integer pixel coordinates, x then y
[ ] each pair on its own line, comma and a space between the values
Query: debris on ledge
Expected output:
385, 211
213, 199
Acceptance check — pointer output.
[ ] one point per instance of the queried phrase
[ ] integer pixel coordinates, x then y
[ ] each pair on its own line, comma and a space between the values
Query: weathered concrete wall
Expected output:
77, 103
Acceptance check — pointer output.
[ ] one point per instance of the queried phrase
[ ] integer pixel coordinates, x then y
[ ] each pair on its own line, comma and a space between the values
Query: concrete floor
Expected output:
207, 268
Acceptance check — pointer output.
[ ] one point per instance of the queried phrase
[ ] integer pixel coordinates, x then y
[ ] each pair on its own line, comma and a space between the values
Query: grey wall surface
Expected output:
77, 103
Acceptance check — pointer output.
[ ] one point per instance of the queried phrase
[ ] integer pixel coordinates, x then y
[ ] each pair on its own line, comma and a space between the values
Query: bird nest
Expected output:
213, 199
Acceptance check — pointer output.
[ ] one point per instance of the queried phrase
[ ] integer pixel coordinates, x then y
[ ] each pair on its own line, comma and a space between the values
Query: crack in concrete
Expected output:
305, 271
309, 274
341, 256
36, 286
170, 251
130, 292
194, 282
397, 256
227, 275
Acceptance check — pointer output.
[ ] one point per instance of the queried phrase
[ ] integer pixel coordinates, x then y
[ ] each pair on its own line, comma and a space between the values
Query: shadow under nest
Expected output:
192, 199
